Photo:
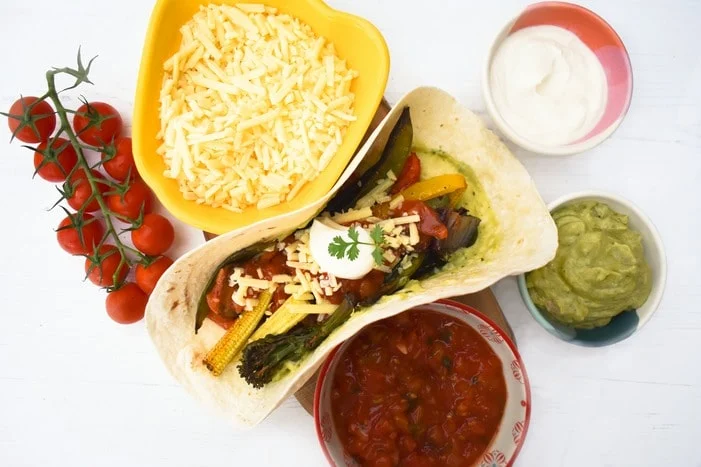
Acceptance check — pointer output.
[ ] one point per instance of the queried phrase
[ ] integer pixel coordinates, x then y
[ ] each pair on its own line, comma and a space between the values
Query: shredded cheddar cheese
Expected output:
400, 234
253, 105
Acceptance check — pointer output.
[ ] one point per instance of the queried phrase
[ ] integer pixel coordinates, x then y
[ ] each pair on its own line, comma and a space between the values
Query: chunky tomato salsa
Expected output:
418, 389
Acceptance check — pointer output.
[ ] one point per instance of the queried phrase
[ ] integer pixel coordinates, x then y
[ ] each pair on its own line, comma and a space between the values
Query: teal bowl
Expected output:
627, 323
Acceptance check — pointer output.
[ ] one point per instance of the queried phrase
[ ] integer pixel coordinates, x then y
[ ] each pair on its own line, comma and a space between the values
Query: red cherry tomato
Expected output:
128, 205
127, 304
56, 162
78, 234
118, 160
102, 273
31, 121
411, 173
97, 123
155, 235
78, 191
147, 276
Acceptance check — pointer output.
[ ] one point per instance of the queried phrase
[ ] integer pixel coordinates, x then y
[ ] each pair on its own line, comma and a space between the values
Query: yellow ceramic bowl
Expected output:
355, 39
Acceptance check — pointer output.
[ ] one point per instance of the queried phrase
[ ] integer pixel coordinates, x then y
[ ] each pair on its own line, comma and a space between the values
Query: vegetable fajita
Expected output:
245, 320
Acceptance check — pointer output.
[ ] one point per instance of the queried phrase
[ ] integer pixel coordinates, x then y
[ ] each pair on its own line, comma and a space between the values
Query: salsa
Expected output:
418, 389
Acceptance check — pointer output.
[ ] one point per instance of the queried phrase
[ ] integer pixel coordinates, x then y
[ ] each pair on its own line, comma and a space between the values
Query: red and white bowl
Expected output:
509, 438
608, 47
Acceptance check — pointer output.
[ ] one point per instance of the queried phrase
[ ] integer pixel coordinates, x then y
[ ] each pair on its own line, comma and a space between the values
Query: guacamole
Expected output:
599, 270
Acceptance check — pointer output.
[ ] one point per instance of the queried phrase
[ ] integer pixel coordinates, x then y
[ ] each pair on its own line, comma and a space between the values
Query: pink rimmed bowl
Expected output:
509, 437
608, 47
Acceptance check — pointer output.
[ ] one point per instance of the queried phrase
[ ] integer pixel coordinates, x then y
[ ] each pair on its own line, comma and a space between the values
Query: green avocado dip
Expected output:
598, 272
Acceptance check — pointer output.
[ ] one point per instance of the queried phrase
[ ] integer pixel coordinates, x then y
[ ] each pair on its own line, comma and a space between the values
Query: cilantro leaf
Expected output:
337, 248
377, 256
378, 235
353, 252
340, 248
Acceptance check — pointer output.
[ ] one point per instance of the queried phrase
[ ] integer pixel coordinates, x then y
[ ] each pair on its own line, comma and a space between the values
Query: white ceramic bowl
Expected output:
509, 437
601, 38
627, 323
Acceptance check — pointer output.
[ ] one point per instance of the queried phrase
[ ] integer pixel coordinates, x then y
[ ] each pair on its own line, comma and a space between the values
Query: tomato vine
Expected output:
83, 171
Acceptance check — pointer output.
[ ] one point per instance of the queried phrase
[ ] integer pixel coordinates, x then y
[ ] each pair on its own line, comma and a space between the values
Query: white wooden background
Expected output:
78, 390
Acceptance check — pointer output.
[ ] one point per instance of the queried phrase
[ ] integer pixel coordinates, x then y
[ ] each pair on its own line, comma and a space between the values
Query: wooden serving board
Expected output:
483, 301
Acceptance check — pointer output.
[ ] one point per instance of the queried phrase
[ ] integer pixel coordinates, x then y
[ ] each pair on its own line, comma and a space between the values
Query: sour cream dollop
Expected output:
322, 235
548, 85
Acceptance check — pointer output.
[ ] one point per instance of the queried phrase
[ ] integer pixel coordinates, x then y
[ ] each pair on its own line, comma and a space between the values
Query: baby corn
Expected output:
236, 336
280, 322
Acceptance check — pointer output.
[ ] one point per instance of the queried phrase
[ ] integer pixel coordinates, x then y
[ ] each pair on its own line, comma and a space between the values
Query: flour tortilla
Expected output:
528, 240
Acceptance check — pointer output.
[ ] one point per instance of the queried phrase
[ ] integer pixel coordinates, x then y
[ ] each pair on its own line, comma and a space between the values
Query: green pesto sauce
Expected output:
599, 270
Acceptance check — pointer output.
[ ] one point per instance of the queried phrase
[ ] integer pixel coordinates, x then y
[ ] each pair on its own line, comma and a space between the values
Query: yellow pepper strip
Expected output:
434, 187
454, 197
236, 336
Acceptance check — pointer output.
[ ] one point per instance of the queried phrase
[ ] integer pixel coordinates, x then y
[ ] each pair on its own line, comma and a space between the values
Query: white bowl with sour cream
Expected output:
558, 79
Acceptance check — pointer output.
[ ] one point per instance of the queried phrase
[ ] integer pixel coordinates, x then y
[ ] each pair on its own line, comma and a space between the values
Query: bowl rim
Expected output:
657, 249
505, 128
466, 309
187, 211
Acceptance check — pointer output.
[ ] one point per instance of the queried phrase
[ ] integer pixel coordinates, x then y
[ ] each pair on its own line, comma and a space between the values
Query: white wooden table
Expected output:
78, 390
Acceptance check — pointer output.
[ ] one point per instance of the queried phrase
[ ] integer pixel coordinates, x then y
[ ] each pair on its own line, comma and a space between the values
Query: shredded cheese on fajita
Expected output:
309, 282
253, 105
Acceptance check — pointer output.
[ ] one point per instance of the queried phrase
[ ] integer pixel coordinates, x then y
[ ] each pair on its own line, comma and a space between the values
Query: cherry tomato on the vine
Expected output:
128, 205
31, 121
154, 236
100, 267
97, 123
118, 159
55, 162
127, 304
147, 276
78, 190
78, 235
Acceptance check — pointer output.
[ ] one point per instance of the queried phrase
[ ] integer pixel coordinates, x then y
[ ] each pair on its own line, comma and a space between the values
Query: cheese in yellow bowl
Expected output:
255, 110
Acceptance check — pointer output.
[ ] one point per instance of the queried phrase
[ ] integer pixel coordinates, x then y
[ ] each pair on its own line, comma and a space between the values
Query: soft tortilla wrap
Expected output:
527, 240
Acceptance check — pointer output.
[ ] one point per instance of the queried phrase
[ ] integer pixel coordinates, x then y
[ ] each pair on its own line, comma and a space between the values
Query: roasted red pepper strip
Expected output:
224, 323
411, 173
430, 223
214, 295
218, 298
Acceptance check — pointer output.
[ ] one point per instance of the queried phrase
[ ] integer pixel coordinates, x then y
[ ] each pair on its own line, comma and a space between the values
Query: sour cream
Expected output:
548, 85
322, 235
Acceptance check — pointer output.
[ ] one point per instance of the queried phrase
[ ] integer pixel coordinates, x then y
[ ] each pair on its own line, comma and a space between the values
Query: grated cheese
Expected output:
403, 220
253, 105
399, 199
376, 193
389, 256
247, 281
413, 234
310, 284
352, 215
281, 278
